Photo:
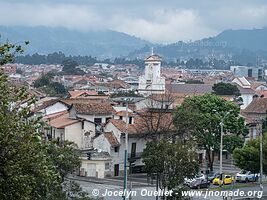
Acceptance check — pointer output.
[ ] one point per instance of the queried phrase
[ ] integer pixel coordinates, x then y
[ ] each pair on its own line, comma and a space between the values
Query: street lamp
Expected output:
127, 100
261, 154
221, 143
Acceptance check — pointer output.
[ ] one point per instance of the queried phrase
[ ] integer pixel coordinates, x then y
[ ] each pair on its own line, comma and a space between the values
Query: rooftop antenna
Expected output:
152, 51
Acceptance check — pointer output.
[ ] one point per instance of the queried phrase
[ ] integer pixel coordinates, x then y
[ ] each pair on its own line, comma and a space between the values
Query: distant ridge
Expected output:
44, 40
244, 46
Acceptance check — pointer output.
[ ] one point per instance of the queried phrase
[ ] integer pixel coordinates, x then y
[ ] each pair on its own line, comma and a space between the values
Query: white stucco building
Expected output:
152, 82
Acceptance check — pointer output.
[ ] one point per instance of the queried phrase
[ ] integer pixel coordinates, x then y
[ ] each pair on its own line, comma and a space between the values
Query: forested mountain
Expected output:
45, 40
242, 46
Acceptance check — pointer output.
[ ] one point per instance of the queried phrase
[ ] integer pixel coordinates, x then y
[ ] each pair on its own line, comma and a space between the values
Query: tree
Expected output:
198, 118
248, 157
226, 89
70, 68
171, 162
19, 71
52, 88
28, 170
231, 142
156, 116
44, 80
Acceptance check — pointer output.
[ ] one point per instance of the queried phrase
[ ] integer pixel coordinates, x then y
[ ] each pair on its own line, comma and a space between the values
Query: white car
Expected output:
246, 176
197, 177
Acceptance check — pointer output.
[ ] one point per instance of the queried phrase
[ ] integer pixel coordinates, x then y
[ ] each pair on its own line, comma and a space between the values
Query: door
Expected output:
116, 169
133, 150
91, 169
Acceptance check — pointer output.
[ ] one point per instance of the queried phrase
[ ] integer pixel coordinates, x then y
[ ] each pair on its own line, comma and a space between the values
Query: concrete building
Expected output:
246, 93
245, 71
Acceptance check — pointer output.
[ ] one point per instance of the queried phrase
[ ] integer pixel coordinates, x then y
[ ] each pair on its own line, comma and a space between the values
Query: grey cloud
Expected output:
157, 21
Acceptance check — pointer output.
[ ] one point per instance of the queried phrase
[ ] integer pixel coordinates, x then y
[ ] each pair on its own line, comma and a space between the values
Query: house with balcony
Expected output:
140, 131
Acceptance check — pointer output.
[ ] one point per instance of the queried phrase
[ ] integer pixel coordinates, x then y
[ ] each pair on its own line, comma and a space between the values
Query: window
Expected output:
130, 120
107, 166
98, 120
107, 119
116, 149
82, 124
120, 117
166, 107
250, 73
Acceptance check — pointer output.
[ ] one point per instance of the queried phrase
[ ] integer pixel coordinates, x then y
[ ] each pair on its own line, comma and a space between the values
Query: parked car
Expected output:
212, 175
199, 176
246, 176
199, 183
227, 179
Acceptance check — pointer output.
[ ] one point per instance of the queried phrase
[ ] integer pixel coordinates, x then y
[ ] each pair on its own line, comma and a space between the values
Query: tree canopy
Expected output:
199, 118
226, 89
31, 168
248, 157
170, 162
51, 88
70, 68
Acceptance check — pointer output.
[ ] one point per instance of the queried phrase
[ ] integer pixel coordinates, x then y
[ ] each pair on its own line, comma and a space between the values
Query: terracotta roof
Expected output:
79, 93
54, 115
111, 139
190, 88
248, 119
45, 105
92, 99
123, 113
257, 106
93, 108
246, 90
63, 121
144, 124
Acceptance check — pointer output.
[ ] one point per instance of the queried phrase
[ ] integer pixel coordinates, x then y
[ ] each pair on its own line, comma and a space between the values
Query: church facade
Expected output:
152, 82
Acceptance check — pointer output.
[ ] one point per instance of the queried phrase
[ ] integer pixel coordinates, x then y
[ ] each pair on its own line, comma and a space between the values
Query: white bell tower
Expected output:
152, 82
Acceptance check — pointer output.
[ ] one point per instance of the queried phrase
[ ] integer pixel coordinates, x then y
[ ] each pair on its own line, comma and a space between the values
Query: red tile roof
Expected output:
93, 108
257, 106
83, 93
111, 139
54, 115
62, 121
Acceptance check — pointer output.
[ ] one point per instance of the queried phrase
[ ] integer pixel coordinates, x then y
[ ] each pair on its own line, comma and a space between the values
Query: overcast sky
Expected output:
161, 21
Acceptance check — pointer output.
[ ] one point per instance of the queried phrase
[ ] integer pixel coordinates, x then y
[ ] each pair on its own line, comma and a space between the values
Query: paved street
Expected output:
139, 188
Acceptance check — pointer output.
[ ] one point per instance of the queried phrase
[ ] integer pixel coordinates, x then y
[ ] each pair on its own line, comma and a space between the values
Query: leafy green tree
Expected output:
44, 80
30, 169
248, 157
65, 156
46, 84
70, 67
171, 162
231, 142
198, 118
226, 89
25, 171
19, 71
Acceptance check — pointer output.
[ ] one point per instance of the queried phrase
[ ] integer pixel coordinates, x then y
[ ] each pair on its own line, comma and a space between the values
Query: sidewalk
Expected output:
106, 181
